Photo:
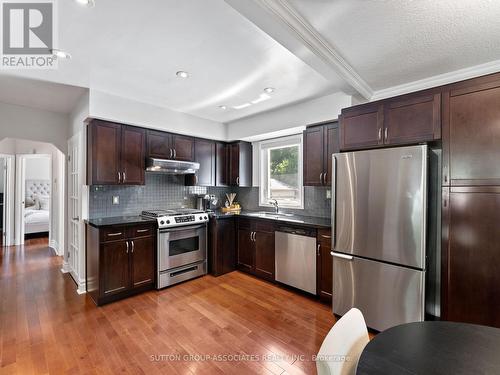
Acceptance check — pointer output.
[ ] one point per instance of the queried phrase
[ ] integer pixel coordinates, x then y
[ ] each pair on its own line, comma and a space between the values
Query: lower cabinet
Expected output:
256, 248
120, 261
221, 246
324, 265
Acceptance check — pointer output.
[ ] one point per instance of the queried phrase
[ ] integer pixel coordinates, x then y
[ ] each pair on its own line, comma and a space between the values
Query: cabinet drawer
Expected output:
244, 223
264, 226
112, 234
325, 237
140, 231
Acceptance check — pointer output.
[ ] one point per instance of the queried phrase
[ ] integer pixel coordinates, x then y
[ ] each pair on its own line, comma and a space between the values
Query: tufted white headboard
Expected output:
37, 187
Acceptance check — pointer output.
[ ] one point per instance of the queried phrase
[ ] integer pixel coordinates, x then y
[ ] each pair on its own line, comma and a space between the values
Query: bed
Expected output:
37, 206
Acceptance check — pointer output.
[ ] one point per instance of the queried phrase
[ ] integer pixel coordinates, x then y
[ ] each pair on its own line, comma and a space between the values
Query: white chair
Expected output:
342, 347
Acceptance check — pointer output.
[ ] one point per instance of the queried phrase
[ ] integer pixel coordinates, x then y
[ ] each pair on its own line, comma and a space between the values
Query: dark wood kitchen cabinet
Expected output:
221, 245
240, 164
163, 145
256, 248
120, 261
222, 164
324, 265
406, 119
320, 143
471, 255
361, 126
471, 132
204, 153
115, 154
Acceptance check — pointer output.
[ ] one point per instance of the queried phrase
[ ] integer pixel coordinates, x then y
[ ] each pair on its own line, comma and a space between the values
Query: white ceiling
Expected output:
235, 48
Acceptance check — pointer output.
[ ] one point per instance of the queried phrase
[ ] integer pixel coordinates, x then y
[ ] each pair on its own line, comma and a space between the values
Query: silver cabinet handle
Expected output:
254, 236
127, 246
119, 177
379, 134
325, 181
123, 176
175, 153
386, 133
321, 178
319, 247
171, 155
142, 230
114, 234
341, 256
325, 236
133, 246
238, 180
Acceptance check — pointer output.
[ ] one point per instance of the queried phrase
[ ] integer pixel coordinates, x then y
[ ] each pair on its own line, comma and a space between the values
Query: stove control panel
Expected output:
180, 220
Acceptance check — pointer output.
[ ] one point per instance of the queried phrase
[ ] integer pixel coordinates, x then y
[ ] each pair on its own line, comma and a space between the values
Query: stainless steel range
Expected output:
182, 245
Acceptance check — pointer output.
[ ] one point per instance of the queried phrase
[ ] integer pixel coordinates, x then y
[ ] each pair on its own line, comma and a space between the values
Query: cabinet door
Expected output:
471, 135
133, 155
413, 119
234, 164
331, 147
472, 255
222, 164
313, 156
104, 153
361, 127
246, 250
264, 255
205, 155
245, 164
183, 147
114, 268
159, 145
324, 266
143, 264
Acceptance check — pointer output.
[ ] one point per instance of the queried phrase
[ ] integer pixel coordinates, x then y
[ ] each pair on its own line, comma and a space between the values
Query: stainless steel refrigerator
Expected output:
379, 225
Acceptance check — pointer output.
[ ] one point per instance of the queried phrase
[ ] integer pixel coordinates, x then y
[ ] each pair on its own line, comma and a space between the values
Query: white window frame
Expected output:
264, 148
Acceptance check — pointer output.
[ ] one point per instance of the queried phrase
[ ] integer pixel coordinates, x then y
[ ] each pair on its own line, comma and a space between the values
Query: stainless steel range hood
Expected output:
171, 166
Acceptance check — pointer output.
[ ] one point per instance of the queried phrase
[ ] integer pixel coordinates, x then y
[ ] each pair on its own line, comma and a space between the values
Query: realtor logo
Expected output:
27, 34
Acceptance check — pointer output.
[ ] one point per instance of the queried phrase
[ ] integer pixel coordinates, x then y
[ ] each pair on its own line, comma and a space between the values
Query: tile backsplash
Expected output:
168, 191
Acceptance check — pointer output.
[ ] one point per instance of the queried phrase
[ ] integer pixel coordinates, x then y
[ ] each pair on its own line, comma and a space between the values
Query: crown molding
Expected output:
317, 45
438, 80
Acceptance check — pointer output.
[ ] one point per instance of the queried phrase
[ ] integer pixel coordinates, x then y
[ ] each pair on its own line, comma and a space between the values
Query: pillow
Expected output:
44, 203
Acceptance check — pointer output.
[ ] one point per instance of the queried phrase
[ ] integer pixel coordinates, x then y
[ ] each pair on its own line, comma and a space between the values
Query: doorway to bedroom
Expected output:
34, 182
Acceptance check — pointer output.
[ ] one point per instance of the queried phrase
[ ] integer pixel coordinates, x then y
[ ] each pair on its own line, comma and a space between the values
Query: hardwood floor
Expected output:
46, 328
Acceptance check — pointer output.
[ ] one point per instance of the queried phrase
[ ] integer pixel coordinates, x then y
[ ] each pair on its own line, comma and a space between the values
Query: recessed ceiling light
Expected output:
58, 54
269, 90
89, 3
223, 107
182, 74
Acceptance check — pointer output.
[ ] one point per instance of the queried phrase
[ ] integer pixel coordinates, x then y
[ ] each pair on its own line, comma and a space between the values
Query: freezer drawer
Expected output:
386, 294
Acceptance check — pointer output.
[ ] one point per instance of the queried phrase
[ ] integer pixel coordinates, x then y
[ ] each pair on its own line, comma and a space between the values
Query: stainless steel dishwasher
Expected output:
295, 259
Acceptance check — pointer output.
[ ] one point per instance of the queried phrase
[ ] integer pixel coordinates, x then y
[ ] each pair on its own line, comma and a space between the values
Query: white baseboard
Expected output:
82, 287
53, 244
65, 267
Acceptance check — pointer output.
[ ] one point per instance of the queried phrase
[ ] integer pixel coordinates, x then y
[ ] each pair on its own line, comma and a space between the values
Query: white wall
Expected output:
38, 169
34, 124
288, 120
2, 174
114, 108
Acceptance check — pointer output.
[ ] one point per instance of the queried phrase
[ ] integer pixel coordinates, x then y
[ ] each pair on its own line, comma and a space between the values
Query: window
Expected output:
281, 172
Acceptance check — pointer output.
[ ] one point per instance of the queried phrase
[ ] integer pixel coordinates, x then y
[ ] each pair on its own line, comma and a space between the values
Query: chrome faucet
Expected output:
274, 202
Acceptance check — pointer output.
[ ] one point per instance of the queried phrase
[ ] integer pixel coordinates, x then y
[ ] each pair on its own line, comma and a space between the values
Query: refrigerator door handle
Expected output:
341, 256
334, 199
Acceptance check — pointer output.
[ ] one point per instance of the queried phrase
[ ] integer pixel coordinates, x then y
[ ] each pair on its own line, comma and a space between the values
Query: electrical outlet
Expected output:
328, 194
116, 199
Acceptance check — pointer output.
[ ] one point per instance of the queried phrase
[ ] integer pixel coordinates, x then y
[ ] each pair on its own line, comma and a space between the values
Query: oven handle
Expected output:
182, 228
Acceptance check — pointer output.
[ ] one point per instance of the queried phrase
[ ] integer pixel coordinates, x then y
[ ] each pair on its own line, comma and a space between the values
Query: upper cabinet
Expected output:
471, 132
204, 153
240, 164
407, 119
163, 145
221, 164
116, 154
320, 142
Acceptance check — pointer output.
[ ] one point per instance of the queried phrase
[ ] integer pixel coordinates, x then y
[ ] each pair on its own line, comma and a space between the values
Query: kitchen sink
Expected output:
269, 214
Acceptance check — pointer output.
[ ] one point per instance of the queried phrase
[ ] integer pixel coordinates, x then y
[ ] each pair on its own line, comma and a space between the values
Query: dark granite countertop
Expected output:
119, 220
309, 221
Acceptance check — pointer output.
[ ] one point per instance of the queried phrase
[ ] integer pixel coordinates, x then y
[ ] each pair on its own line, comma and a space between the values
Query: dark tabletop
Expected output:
309, 221
119, 220
430, 348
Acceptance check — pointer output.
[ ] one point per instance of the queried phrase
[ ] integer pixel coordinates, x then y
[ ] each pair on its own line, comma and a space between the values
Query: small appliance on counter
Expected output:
206, 203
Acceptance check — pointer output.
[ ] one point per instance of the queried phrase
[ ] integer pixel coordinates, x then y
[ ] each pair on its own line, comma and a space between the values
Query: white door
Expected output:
74, 209
7, 163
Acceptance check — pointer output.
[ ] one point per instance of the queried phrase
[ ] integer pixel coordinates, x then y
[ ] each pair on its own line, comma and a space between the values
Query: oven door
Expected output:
181, 246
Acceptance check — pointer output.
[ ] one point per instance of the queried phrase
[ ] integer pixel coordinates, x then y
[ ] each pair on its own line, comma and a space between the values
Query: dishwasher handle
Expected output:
297, 231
